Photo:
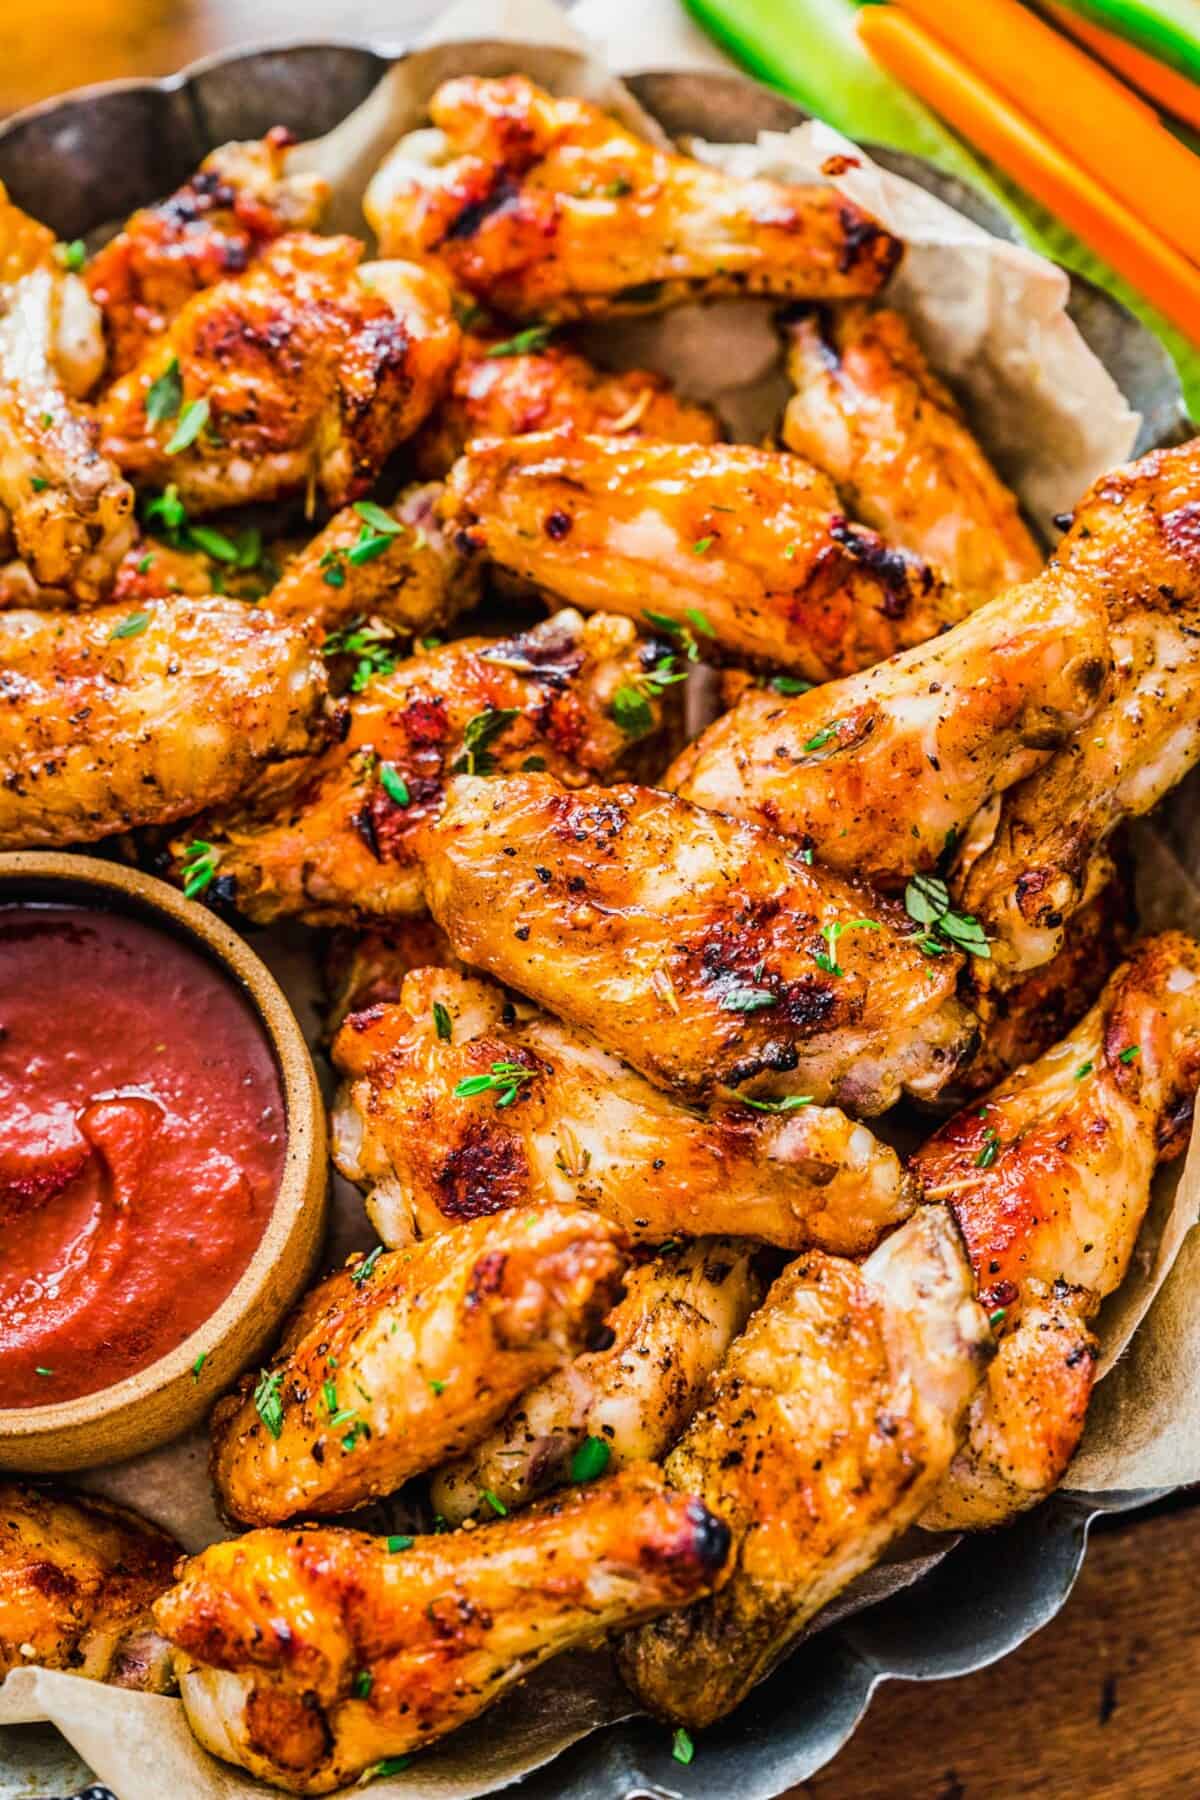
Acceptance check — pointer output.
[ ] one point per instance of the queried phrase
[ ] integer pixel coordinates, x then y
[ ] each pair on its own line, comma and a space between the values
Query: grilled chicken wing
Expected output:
1135, 541
747, 547
308, 1657
1049, 1180
877, 774
627, 1403
340, 846
500, 390
65, 509
77, 1580
302, 375
871, 413
112, 719
393, 1365
361, 969
549, 209
581, 1127
822, 1435
699, 949
239, 200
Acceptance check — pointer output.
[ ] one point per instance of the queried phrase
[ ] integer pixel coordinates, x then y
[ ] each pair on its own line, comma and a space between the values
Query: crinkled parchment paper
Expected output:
992, 317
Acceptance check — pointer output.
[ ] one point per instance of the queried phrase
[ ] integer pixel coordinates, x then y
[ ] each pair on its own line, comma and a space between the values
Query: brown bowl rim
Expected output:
303, 1112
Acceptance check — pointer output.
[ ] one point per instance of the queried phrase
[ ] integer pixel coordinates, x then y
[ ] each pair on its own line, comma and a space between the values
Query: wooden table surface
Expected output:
1102, 1704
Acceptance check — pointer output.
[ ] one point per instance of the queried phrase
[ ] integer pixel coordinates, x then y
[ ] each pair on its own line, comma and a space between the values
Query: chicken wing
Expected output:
65, 509
701, 950
112, 718
581, 1127
748, 549
871, 413
361, 969
1049, 1180
301, 376
877, 774
340, 846
549, 209
823, 1434
500, 389
239, 200
627, 1403
310, 1657
78, 1576
394, 1364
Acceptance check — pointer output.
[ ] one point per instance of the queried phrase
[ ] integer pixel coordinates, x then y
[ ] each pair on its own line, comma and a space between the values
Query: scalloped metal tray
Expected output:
81, 161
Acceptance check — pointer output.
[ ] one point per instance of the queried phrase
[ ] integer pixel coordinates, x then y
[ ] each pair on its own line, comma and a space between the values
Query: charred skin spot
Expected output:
1174, 1127
579, 819
703, 1542
50, 1580
901, 576
486, 1277
486, 1172
558, 525
864, 240
503, 191
1181, 529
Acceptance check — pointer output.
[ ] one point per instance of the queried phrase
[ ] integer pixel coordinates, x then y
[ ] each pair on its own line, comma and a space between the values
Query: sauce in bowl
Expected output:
142, 1143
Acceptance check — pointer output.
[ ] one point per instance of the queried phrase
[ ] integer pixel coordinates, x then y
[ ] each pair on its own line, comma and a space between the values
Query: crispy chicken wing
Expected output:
239, 200
582, 1127
627, 1403
391, 1366
78, 1576
302, 375
112, 719
549, 209
871, 413
1049, 1179
360, 969
308, 1657
878, 773
340, 846
65, 509
822, 1435
748, 548
701, 950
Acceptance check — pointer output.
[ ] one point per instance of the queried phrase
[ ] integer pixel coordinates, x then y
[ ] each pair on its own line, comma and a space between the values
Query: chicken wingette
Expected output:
313, 1657
748, 551
628, 1402
239, 200
78, 1576
428, 1126
822, 1435
361, 969
871, 413
407, 1357
299, 377
117, 718
703, 951
1049, 1179
550, 209
340, 846
879, 774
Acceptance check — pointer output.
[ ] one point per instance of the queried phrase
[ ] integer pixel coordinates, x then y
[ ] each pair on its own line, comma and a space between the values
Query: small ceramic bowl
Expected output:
164, 1399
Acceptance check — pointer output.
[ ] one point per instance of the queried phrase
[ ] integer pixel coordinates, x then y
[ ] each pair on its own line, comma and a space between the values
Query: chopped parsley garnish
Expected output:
377, 518
38, 483
333, 572
525, 343
132, 625
997, 1318
192, 421
364, 1681
700, 623
199, 1364
370, 544
214, 543
360, 1271
630, 706
329, 1396
398, 1543
590, 1459
827, 959
442, 1022
494, 1501
631, 711
701, 545
819, 739
672, 627
41, 1371
790, 684
73, 255
789, 1103
391, 1765
166, 509
364, 640
1127, 1056
481, 732
747, 999
682, 1747
357, 1430
504, 1080
1084, 1069
268, 1400
165, 396
197, 865
394, 785
927, 901
145, 563
437, 1387
990, 1150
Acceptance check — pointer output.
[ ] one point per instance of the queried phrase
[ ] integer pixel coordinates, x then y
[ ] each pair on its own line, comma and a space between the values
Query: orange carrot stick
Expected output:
988, 123
1166, 87
1080, 104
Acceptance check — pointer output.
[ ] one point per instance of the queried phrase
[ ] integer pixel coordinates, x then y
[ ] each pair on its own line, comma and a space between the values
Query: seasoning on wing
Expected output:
418, 1125
748, 549
550, 209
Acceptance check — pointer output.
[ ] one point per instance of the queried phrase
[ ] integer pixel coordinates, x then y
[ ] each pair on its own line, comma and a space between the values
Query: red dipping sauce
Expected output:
142, 1139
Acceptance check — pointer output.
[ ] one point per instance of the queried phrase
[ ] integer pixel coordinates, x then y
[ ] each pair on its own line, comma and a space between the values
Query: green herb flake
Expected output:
367, 546
165, 396
268, 1400
41, 1371
197, 866
480, 733
990, 1149
827, 959
819, 739
442, 1023
927, 902
166, 509
394, 785
145, 564
192, 421
360, 1272
391, 1765
398, 1543
997, 1318
214, 543
199, 1364
790, 684
682, 1747
72, 256
747, 999
525, 343
132, 625
38, 483
437, 1387
631, 711
333, 576
1084, 1069
590, 1460
1127, 1056
364, 1681
329, 1396
701, 545
504, 1080
788, 1103
370, 643
494, 1501
377, 518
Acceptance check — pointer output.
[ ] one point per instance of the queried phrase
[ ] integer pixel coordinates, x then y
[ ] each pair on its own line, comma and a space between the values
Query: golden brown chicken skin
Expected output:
879, 773
310, 1657
392, 1365
500, 390
629, 1402
870, 412
340, 846
747, 549
118, 717
1049, 1180
581, 1127
240, 199
78, 1576
549, 209
701, 950
301, 376
361, 969
822, 1435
